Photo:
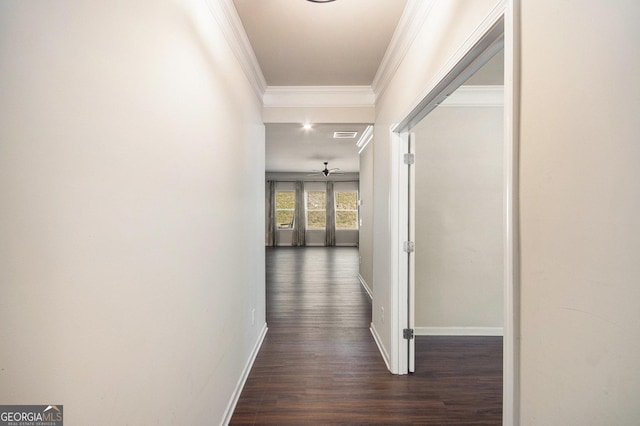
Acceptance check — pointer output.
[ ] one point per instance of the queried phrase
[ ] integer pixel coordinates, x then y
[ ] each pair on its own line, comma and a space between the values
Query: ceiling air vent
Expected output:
344, 135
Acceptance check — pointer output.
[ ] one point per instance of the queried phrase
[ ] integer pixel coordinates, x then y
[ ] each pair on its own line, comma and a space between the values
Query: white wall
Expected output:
299, 114
125, 227
448, 25
580, 226
458, 225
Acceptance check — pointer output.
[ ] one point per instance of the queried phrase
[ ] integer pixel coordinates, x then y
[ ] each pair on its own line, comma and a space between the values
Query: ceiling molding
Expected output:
483, 43
319, 96
475, 96
229, 22
364, 140
414, 15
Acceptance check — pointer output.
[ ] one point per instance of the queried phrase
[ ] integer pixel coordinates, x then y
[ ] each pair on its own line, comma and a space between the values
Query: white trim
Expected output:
403, 257
365, 138
378, 340
458, 331
397, 300
426, 100
231, 406
315, 244
475, 96
410, 257
318, 97
366, 287
511, 341
413, 17
436, 91
229, 22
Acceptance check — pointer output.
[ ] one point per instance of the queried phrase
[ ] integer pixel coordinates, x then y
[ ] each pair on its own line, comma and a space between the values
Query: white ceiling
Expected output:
290, 148
300, 43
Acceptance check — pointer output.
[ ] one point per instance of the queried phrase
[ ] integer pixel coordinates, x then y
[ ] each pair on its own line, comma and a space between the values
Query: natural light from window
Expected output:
346, 210
316, 209
285, 207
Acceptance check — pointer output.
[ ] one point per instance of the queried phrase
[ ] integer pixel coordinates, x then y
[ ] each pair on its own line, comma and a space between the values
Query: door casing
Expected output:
498, 31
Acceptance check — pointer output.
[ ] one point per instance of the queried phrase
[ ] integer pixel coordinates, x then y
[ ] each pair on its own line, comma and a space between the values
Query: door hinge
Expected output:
409, 247
409, 158
407, 333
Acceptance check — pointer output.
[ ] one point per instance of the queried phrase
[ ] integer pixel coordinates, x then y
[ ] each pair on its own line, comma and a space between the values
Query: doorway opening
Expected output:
456, 193
495, 36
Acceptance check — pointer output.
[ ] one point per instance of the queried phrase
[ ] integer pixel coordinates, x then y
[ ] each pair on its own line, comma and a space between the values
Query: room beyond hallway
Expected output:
319, 363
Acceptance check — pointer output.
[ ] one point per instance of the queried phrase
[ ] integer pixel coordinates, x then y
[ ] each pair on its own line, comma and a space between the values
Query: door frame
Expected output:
498, 30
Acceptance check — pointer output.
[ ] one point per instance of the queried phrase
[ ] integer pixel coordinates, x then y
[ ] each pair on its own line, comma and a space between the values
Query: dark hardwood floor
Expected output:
319, 363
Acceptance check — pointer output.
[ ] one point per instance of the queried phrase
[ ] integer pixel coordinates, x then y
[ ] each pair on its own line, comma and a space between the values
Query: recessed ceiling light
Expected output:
306, 126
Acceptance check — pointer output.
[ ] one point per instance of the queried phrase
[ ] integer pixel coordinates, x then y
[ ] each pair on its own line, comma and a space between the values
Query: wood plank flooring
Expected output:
319, 363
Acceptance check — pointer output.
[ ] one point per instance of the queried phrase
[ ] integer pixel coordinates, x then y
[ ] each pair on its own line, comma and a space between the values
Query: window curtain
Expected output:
299, 221
330, 234
270, 207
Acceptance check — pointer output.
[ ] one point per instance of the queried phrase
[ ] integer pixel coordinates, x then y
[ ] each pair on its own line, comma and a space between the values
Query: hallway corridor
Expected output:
319, 363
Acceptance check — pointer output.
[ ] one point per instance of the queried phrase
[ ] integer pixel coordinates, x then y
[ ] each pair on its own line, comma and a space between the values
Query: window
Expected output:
316, 209
285, 207
346, 210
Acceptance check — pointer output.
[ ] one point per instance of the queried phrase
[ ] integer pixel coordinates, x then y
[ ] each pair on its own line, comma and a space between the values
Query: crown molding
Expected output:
475, 96
364, 140
413, 17
225, 13
488, 36
319, 96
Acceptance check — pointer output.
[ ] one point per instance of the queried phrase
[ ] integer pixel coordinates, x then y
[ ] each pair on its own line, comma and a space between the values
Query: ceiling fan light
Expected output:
321, 1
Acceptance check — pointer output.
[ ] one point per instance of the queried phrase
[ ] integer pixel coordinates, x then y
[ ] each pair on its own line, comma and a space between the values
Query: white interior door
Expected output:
411, 341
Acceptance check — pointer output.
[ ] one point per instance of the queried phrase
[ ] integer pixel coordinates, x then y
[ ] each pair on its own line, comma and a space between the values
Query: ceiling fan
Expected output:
326, 171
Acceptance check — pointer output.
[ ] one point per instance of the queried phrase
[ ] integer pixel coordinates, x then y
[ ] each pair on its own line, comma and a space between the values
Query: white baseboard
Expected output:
383, 352
243, 378
315, 245
323, 245
366, 287
458, 331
